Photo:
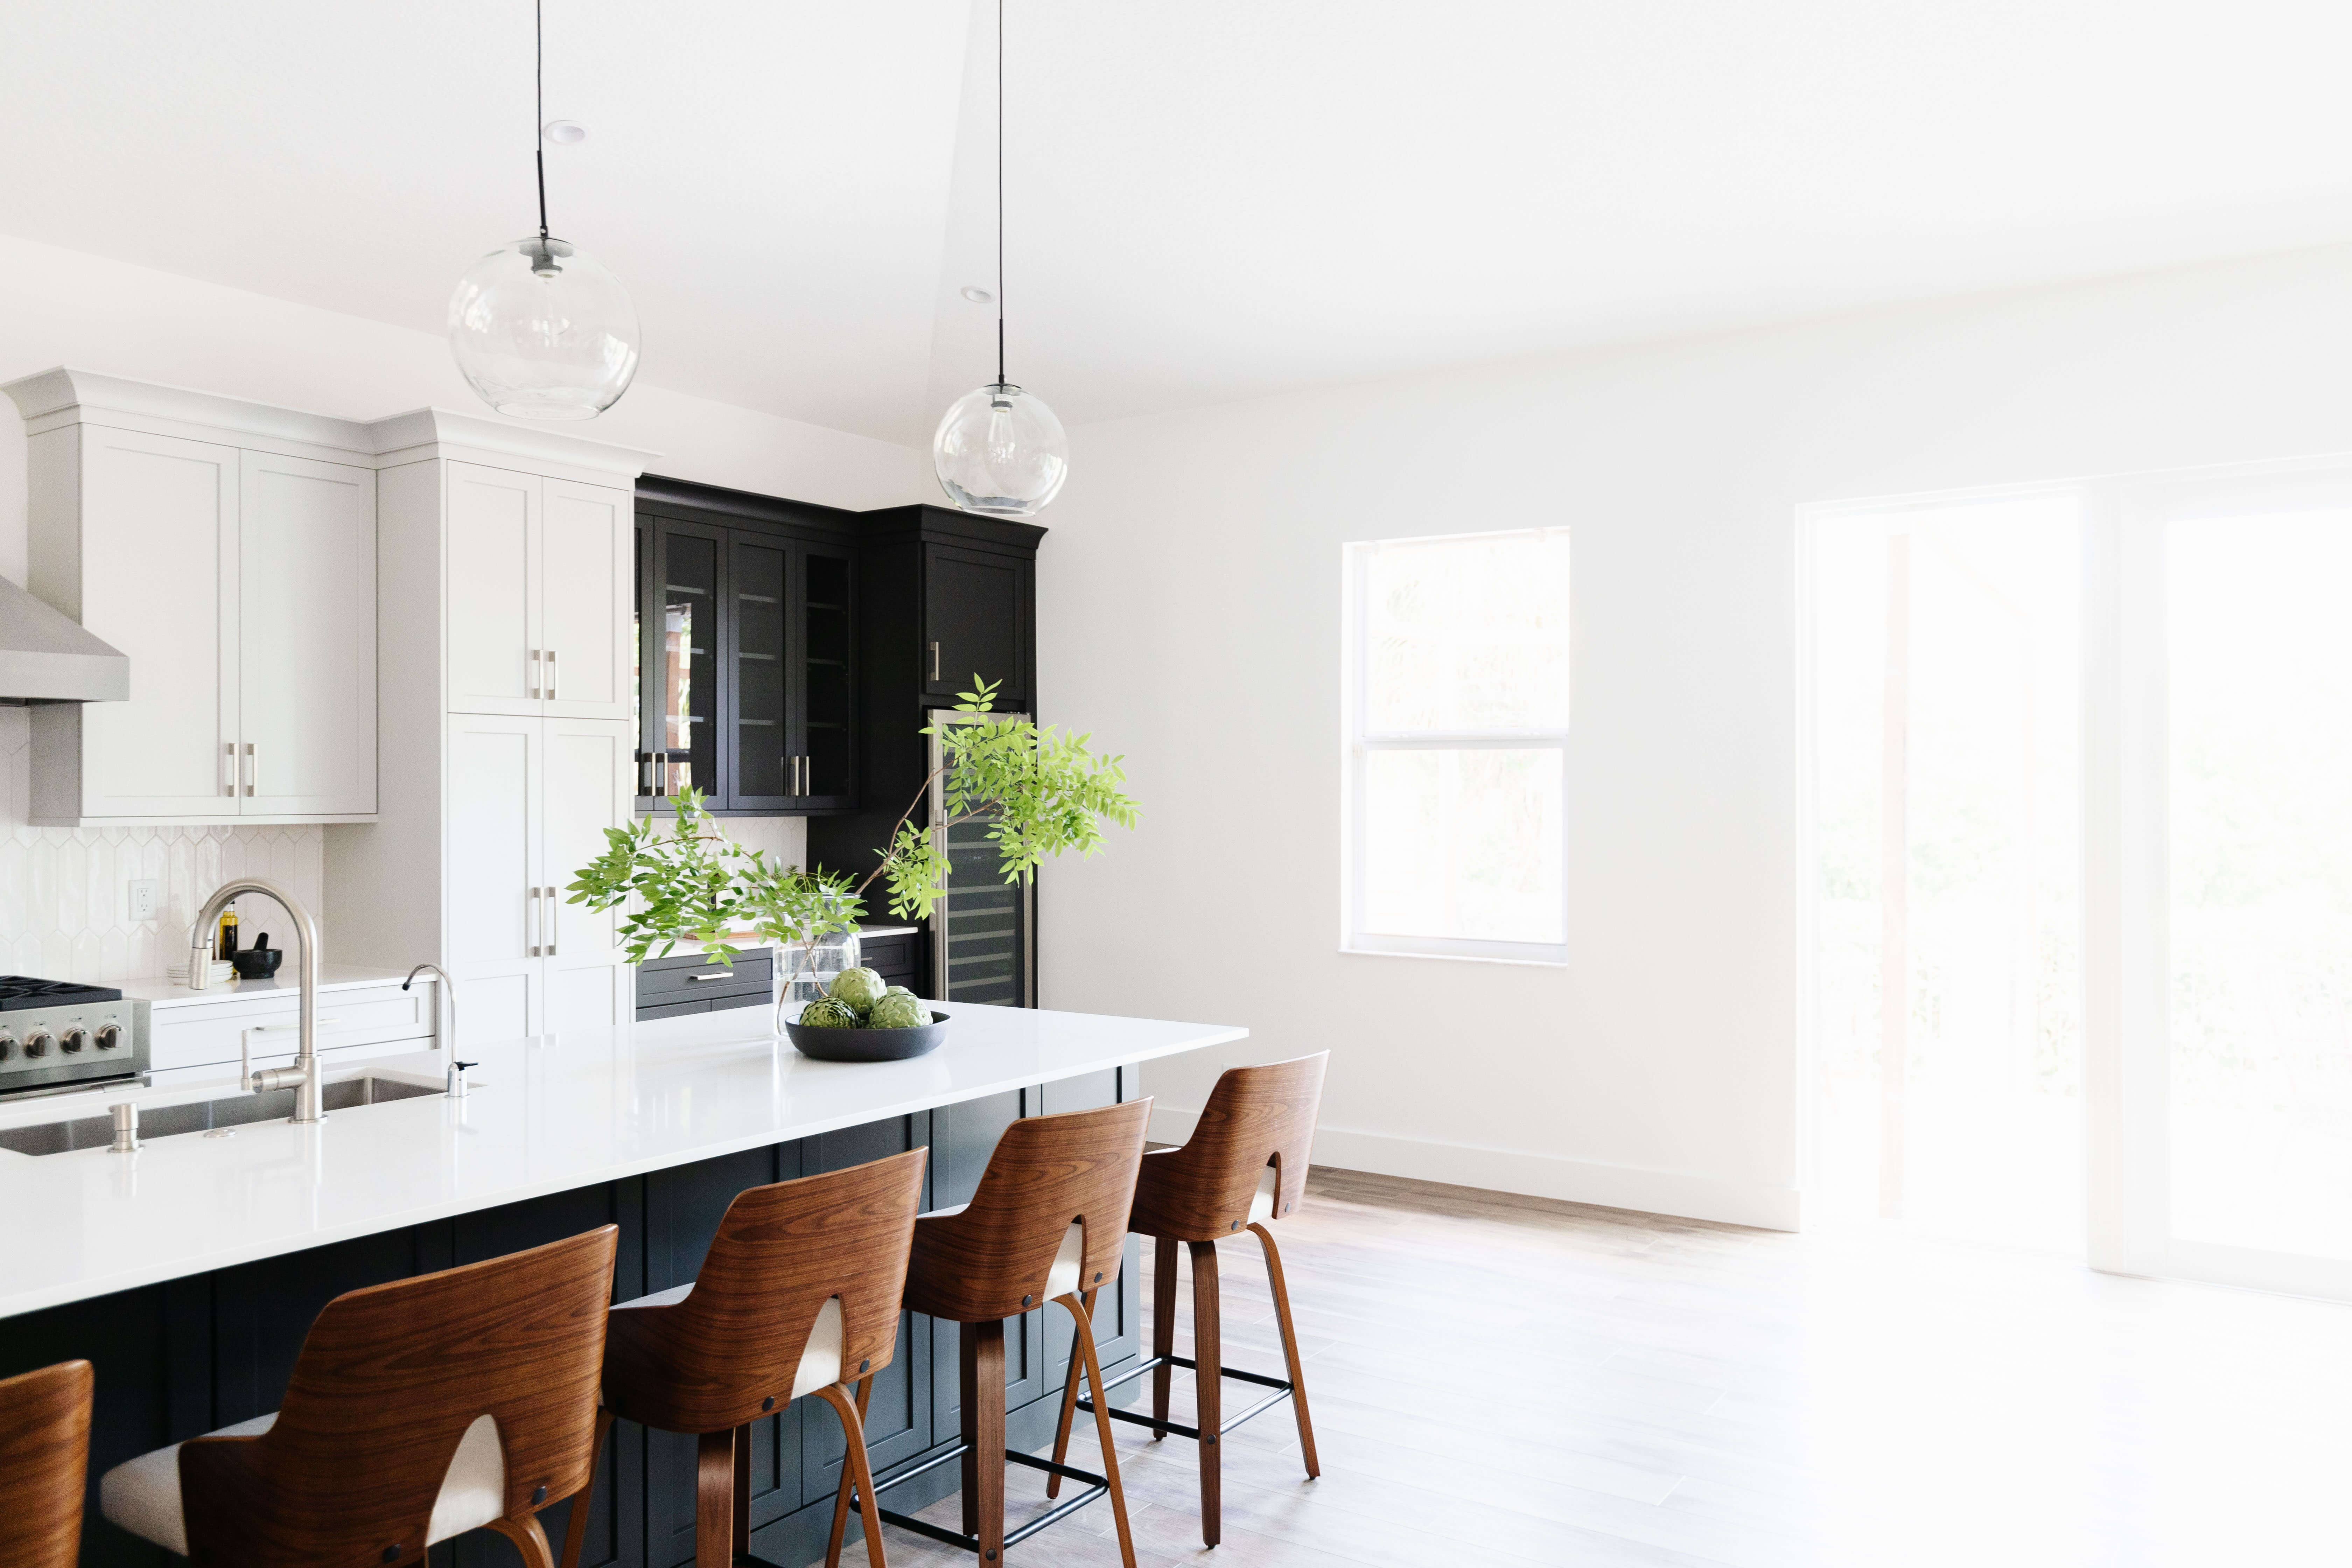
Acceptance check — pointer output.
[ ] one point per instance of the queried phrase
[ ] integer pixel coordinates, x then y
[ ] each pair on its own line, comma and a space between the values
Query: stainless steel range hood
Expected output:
46, 657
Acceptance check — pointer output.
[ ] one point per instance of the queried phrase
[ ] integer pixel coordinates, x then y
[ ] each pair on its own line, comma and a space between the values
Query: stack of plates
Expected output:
221, 971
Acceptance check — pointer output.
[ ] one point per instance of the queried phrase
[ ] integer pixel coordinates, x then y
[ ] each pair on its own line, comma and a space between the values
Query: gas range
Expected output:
55, 1034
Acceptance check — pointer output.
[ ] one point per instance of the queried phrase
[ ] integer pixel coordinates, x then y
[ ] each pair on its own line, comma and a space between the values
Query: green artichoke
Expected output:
857, 989
826, 1014
898, 1009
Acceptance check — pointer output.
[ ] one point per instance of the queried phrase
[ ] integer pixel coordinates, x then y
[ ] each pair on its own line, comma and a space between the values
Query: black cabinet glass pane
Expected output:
758, 601
689, 736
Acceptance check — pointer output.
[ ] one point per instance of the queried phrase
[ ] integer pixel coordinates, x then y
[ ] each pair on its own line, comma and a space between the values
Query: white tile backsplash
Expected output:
65, 892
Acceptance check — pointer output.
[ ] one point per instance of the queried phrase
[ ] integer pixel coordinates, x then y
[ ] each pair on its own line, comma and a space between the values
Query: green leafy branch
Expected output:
1041, 791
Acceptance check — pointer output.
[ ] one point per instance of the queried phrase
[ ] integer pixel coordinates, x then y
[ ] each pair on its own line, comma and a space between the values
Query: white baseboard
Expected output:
1674, 1193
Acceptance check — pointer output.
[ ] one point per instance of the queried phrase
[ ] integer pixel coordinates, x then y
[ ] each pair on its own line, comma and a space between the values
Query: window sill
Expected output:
1345, 952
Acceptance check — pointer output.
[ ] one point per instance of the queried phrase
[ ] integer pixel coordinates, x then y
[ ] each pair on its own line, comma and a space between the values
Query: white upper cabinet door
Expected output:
589, 591
590, 786
493, 568
493, 913
306, 658
159, 580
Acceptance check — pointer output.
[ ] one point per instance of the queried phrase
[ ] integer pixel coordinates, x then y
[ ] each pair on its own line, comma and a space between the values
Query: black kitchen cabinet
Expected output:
947, 597
748, 650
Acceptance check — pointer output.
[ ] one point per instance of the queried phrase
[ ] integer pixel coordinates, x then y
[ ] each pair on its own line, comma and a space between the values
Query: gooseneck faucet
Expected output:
303, 1077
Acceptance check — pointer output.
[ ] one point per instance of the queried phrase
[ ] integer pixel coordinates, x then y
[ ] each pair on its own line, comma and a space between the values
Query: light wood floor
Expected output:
1508, 1381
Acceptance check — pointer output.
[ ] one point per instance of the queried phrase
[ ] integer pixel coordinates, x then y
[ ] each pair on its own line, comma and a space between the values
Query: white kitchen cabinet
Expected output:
240, 585
528, 803
306, 648
539, 585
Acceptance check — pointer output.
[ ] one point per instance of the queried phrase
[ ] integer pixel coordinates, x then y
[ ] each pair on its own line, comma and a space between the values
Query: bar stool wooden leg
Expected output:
1084, 1346
714, 1500
576, 1534
1163, 1328
867, 1510
981, 1387
1069, 1409
855, 1472
1208, 1370
528, 1539
1289, 1349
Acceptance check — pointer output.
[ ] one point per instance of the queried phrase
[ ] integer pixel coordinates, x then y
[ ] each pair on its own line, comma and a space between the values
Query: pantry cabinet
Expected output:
237, 576
510, 745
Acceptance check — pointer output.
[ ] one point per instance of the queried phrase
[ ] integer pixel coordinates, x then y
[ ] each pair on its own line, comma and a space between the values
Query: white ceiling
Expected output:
1208, 201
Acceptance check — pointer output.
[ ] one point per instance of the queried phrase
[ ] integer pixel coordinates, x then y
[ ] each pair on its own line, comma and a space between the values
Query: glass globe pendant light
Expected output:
540, 329
999, 450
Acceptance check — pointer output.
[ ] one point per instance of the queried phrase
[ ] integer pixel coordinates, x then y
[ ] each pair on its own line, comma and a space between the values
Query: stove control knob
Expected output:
74, 1039
7, 1044
109, 1036
37, 1043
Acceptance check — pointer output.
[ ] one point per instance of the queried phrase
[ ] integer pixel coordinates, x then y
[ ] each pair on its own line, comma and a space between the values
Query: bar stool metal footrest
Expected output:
1283, 1389
1095, 1487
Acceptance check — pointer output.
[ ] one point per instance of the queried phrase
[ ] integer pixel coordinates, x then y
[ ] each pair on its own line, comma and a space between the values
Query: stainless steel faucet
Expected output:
303, 1078
447, 987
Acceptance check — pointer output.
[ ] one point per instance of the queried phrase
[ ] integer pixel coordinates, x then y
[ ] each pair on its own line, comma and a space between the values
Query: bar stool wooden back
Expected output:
1047, 1223
417, 1410
43, 1464
1245, 1164
798, 1294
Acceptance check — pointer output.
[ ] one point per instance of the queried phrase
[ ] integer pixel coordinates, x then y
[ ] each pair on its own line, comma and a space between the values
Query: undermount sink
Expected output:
204, 1115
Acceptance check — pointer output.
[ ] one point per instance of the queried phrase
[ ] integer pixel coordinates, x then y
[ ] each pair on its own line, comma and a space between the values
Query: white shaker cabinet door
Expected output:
491, 558
159, 580
590, 786
587, 595
493, 918
306, 659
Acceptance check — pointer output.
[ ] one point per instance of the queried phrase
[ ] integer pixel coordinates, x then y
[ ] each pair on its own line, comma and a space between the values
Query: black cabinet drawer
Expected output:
891, 957
674, 1010
697, 976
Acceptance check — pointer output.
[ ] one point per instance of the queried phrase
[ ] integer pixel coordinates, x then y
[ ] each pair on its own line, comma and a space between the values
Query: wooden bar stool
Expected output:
418, 1410
1047, 1222
1245, 1164
799, 1294
43, 1462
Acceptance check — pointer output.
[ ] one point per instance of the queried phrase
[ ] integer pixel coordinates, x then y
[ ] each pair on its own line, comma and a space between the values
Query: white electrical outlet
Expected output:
145, 894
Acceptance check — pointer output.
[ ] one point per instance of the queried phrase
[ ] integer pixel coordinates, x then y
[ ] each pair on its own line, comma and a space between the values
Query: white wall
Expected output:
1189, 617
61, 307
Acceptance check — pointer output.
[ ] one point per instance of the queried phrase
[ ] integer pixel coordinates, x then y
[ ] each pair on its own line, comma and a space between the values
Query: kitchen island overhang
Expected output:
546, 1114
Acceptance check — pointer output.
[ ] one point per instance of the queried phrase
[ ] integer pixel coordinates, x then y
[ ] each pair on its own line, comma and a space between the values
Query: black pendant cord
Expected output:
539, 131
1000, 194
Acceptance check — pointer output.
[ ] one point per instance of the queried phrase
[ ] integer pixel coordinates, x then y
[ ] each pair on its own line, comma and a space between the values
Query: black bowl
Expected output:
256, 963
868, 1045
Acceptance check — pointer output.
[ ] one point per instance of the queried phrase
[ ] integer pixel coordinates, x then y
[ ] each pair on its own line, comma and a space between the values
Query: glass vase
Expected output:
807, 970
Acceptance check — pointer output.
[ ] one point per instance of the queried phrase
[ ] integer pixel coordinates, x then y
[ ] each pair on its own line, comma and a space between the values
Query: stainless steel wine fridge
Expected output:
983, 946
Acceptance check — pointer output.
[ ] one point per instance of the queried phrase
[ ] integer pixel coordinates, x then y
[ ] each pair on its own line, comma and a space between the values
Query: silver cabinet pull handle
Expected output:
548, 919
252, 767
714, 974
935, 661
551, 675
534, 675
228, 766
531, 919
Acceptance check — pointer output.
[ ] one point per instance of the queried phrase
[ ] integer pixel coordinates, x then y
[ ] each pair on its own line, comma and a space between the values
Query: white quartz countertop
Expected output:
545, 1114
160, 992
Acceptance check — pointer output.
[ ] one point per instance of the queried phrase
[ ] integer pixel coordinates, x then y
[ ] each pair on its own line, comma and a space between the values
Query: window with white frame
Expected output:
1455, 700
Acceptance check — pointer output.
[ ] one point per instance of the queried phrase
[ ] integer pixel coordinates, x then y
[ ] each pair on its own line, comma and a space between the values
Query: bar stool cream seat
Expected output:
417, 1410
142, 1494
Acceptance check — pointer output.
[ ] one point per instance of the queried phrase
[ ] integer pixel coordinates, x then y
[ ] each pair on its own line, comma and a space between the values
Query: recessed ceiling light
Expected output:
977, 295
564, 132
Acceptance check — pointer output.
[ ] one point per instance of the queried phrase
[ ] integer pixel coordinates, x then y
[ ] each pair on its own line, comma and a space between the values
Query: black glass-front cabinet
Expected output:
747, 656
